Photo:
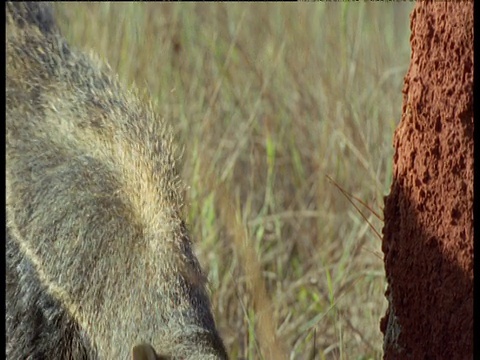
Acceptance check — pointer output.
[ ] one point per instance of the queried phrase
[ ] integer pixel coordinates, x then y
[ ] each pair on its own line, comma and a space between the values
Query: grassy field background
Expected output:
266, 101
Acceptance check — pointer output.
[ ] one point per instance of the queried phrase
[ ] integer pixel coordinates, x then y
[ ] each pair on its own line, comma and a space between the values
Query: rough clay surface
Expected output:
428, 232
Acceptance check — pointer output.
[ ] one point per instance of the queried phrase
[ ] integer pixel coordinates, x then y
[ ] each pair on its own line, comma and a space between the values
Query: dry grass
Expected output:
267, 100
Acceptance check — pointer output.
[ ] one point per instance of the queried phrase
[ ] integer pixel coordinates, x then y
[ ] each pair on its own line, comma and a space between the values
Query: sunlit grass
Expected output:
267, 100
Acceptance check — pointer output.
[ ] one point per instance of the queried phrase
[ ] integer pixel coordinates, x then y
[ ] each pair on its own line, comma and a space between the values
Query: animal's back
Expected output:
98, 257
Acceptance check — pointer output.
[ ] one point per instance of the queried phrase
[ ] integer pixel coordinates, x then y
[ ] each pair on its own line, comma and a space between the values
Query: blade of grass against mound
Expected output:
349, 198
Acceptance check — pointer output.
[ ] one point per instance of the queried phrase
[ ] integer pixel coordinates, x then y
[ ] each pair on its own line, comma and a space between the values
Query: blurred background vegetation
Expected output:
266, 101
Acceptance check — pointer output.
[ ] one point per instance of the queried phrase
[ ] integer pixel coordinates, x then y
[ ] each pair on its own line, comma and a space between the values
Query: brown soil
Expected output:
428, 232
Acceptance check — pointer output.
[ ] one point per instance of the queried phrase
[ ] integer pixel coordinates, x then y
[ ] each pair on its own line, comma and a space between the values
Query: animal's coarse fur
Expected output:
98, 257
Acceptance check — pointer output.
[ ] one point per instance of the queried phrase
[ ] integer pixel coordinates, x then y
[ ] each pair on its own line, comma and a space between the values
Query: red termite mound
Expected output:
428, 232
